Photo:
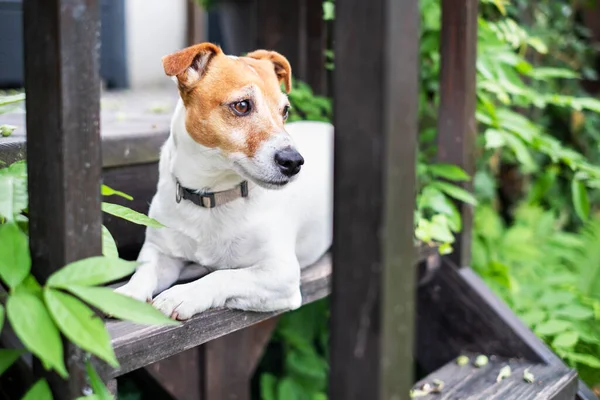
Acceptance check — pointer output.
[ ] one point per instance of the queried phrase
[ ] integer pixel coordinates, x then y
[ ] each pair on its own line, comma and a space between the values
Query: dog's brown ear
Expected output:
189, 64
283, 69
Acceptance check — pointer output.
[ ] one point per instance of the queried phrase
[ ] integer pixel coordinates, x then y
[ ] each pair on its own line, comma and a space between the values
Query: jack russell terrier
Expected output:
241, 193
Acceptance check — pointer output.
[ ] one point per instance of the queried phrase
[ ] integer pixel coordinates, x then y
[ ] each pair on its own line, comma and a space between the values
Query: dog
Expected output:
240, 192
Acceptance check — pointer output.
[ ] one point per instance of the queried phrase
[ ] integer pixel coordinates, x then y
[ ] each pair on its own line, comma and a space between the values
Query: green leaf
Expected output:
29, 318
98, 386
6, 100
39, 391
7, 358
551, 300
15, 262
13, 192
121, 306
552, 327
448, 171
130, 215
91, 271
455, 192
109, 247
585, 359
108, 191
574, 311
566, 340
80, 325
533, 317
494, 139
268, 384
289, 390
580, 198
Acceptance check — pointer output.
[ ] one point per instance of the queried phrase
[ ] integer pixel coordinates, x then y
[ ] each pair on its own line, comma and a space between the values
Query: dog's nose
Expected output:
289, 161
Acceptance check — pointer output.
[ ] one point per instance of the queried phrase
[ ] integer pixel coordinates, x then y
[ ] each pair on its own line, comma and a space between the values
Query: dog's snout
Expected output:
289, 161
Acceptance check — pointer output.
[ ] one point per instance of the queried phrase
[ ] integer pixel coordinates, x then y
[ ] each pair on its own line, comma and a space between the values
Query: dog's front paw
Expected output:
138, 292
182, 302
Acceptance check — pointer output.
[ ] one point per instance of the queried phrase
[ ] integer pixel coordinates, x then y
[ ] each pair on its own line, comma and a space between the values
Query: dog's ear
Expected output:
283, 70
189, 64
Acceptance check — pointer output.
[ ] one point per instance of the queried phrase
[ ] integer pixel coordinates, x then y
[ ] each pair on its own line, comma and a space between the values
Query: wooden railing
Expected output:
376, 97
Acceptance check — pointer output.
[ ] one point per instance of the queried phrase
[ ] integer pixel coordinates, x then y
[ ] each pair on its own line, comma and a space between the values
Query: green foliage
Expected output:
59, 306
302, 341
548, 276
307, 106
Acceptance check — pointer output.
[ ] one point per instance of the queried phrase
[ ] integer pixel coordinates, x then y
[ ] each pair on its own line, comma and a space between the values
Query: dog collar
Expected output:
211, 199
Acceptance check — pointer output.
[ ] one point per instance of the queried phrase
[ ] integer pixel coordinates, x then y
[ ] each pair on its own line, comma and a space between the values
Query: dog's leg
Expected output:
272, 286
156, 273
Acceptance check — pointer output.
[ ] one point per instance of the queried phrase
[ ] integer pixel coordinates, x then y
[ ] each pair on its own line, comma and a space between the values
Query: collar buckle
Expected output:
178, 192
208, 198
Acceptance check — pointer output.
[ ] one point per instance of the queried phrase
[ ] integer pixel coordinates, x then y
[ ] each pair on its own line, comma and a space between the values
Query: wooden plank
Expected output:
471, 383
458, 313
63, 94
219, 369
228, 363
179, 375
196, 23
456, 122
375, 113
312, 41
131, 342
135, 124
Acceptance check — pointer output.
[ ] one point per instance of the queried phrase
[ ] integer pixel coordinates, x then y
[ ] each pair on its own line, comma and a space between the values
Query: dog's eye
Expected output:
241, 107
286, 112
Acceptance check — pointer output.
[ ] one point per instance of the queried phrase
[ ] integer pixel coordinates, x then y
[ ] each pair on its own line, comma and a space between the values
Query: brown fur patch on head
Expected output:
222, 80
283, 69
189, 64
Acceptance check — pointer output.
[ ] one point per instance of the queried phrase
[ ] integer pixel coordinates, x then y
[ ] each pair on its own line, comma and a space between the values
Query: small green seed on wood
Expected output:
438, 385
504, 373
528, 376
414, 393
7, 130
462, 360
481, 361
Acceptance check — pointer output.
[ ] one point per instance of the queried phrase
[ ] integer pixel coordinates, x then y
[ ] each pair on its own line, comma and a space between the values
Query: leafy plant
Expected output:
548, 275
61, 305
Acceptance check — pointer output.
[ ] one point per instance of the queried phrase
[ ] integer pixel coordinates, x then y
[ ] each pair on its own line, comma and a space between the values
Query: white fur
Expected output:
255, 247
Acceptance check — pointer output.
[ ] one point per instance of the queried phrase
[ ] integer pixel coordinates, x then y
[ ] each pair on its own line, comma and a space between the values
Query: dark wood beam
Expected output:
375, 113
457, 129
63, 144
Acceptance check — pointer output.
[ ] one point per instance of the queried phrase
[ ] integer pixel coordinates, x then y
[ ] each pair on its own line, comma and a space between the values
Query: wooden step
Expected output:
468, 382
132, 342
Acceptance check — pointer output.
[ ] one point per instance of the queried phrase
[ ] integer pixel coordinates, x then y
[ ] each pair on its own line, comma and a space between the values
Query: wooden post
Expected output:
63, 145
196, 23
375, 112
230, 361
456, 123
221, 369
296, 29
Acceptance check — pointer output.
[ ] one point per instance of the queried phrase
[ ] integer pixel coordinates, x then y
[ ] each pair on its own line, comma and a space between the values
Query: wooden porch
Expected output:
420, 309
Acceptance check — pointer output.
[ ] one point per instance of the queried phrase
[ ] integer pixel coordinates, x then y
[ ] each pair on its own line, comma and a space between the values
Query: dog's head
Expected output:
236, 105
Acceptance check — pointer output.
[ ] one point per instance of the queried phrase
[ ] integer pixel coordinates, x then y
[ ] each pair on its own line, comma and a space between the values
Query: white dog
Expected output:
240, 194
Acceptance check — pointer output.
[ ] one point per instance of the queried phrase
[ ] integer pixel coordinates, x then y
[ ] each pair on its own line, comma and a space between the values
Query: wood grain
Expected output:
458, 313
63, 153
135, 124
471, 383
131, 342
456, 122
375, 119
